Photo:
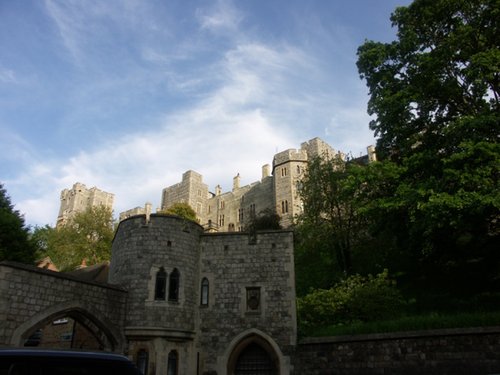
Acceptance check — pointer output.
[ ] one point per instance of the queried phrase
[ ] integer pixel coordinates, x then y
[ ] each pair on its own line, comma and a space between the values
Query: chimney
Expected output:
266, 171
218, 190
236, 182
147, 209
372, 156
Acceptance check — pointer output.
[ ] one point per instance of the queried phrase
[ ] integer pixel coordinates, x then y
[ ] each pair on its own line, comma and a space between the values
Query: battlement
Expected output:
192, 176
289, 155
317, 147
79, 198
277, 191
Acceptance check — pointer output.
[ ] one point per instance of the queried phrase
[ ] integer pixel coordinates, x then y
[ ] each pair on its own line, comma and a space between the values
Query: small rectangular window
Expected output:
204, 292
253, 299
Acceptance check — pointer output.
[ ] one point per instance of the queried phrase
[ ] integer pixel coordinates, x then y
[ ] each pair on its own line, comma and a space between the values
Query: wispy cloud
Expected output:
213, 98
7, 76
223, 16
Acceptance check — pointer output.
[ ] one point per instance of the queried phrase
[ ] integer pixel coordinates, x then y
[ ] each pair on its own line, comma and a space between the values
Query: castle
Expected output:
180, 297
78, 199
277, 191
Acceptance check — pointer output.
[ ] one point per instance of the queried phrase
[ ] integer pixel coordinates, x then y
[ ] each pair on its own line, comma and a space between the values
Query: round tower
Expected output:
156, 260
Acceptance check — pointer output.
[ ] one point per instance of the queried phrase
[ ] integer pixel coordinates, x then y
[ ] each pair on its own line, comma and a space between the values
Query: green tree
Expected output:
14, 235
435, 95
41, 237
183, 210
265, 220
332, 225
88, 236
444, 67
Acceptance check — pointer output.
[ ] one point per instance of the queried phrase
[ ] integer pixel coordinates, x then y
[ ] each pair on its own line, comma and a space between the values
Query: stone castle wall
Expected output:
278, 193
190, 190
139, 250
236, 265
204, 333
467, 351
31, 297
79, 198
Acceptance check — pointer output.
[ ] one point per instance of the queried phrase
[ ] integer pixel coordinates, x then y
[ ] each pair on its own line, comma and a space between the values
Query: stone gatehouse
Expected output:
178, 300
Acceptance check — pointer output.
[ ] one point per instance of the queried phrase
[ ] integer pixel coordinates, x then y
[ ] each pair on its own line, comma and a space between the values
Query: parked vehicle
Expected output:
53, 362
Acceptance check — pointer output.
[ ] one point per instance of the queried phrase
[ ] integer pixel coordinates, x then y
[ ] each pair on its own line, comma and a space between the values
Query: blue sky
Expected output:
127, 95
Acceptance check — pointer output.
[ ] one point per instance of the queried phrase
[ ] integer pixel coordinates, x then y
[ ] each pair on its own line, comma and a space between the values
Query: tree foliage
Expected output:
332, 192
429, 210
264, 220
14, 235
88, 236
183, 210
444, 67
355, 299
435, 96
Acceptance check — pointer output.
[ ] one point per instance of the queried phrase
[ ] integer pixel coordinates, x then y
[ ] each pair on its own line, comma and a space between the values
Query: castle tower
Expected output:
316, 147
157, 262
288, 170
190, 190
78, 199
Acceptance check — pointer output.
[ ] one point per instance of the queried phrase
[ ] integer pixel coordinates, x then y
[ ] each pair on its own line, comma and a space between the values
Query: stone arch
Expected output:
105, 332
244, 340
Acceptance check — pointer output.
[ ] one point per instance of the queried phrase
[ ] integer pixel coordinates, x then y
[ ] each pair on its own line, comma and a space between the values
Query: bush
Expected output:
355, 299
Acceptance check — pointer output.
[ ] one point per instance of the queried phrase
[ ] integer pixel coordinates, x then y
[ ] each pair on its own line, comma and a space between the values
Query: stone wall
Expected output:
237, 265
31, 297
79, 198
230, 211
205, 334
438, 352
139, 250
191, 190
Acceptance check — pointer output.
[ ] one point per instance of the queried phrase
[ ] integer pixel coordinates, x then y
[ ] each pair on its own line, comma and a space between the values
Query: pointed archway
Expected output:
254, 353
105, 334
254, 360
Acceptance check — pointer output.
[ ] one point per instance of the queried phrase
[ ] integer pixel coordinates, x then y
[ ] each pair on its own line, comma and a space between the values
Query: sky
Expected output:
126, 95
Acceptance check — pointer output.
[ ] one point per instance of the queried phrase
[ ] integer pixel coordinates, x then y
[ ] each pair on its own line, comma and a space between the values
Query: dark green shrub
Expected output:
355, 299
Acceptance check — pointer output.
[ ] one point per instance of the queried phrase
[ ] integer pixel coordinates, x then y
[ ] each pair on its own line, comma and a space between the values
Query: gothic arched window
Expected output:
160, 284
204, 292
172, 363
142, 361
173, 287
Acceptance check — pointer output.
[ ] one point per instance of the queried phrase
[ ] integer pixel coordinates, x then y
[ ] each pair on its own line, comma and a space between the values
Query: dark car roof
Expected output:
61, 362
61, 354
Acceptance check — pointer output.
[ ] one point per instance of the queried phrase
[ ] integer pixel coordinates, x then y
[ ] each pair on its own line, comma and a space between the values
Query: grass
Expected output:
411, 323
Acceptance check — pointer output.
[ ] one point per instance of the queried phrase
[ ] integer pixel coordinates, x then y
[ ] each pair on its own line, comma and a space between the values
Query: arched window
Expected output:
172, 363
142, 361
204, 292
173, 290
161, 284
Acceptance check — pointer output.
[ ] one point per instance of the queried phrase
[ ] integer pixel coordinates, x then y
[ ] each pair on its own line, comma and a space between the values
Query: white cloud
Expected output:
246, 102
7, 75
221, 17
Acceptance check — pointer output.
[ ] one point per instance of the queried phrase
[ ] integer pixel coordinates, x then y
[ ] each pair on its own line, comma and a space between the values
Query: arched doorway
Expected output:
253, 355
66, 326
254, 360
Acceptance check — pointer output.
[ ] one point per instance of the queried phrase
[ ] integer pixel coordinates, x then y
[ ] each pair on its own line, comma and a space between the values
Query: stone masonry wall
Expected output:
29, 295
232, 263
238, 206
439, 352
139, 250
191, 190
79, 198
